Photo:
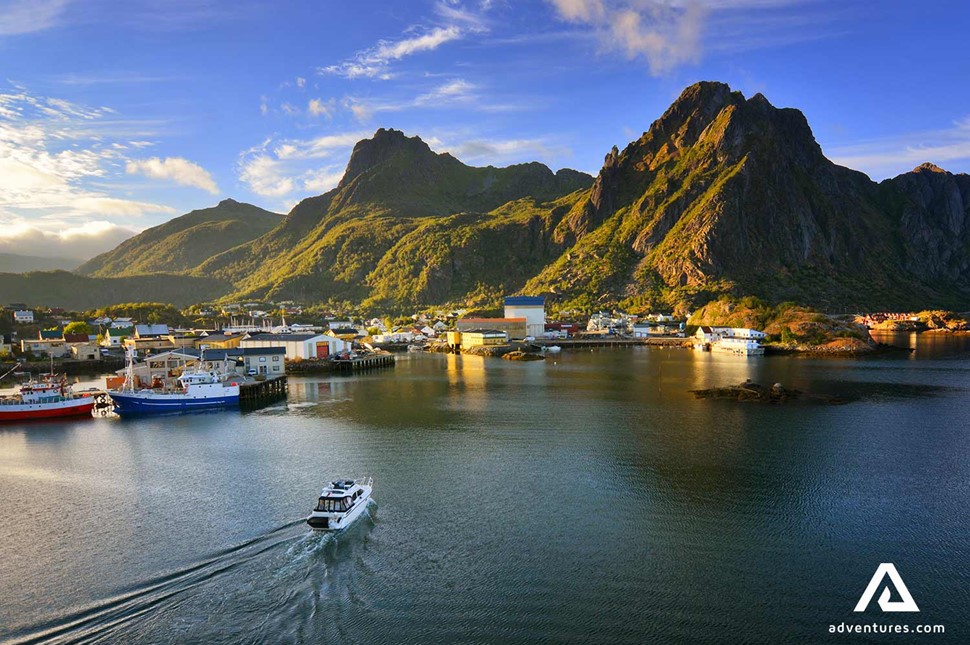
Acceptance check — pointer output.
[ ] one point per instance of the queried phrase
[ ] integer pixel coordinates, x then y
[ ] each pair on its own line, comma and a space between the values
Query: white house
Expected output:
24, 317
743, 332
532, 308
114, 335
298, 346
268, 361
711, 334
641, 330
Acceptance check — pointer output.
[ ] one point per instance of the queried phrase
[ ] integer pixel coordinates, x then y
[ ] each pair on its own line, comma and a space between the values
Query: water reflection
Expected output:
523, 495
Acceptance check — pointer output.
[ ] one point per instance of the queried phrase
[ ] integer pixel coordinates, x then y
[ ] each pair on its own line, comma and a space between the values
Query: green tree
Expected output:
79, 327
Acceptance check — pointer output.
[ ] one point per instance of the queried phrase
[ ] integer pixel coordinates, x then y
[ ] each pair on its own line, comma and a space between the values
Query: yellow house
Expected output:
475, 337
219, 341
143, 344
343, 333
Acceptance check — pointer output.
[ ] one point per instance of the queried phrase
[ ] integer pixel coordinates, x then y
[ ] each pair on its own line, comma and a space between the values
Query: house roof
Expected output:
492, 320
120, 331
50, 334
285, 338
218, 338
525, 300
76, 338
485, 332
151, 330
256, 351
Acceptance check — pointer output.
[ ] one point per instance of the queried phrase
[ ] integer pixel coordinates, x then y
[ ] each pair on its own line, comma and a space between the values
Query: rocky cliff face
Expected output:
933, 211
727, 194
405, 176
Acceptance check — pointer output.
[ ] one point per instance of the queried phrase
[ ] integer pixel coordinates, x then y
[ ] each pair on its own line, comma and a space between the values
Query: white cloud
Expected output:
889, 156
300, 82
177, 169
319, 107
375, 62
281, 168
28, 16
456, 91
484, 151
56, 157
318, 148
265, 176
81, 242
320, 181
454, 12
665, 33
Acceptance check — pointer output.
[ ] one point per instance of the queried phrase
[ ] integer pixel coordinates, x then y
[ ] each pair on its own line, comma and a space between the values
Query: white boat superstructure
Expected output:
341, 502
740, 346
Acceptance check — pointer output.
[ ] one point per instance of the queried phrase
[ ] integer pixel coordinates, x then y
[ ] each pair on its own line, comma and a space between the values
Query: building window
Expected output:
262, 359
276, 359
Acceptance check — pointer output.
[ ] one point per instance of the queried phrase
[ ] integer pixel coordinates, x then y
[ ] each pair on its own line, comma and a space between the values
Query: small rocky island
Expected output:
755, 392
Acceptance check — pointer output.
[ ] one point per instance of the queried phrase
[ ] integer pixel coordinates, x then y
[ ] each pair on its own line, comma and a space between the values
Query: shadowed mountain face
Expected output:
722, 194
14, 263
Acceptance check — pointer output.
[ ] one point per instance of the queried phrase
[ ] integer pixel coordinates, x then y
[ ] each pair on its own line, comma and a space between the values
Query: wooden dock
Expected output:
259, 393
578, 343
363, 363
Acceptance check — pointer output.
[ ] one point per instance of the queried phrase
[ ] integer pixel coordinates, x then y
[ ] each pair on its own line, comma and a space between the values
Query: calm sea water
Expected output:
587, 498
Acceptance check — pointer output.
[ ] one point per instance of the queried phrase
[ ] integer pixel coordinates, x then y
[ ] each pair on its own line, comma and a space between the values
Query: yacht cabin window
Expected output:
332, 504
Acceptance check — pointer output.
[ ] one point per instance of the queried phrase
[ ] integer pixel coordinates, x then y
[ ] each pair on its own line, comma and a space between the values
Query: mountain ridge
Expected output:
722, 194
181, 243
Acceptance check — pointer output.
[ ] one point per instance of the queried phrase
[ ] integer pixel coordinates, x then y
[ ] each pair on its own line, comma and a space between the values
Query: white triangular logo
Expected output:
906, 604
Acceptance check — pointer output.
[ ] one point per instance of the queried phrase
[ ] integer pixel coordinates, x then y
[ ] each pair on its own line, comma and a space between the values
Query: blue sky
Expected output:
116, 116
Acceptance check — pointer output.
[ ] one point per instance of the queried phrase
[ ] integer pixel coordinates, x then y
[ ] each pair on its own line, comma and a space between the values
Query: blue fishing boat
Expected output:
193, 391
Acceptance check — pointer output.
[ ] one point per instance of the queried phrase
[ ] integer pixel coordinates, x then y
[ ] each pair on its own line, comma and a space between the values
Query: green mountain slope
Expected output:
15, 263
185, 242
76, 292
395, 189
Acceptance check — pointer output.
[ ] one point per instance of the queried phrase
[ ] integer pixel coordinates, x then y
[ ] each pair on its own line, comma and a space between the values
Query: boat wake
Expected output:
281, 582
100, 620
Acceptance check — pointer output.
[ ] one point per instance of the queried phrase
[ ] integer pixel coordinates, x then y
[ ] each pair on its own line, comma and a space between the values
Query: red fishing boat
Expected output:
50, 398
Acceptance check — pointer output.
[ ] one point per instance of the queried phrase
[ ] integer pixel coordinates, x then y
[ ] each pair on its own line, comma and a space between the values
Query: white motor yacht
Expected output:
341, 502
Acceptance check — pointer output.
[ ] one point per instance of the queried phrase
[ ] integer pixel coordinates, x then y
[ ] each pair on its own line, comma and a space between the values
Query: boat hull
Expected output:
28, 411
137, 403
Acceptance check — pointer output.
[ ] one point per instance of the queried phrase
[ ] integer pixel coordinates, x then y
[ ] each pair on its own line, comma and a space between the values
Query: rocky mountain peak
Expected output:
929, 167
385, 145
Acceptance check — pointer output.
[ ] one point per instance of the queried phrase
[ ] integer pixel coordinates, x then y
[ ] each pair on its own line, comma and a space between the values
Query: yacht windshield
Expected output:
332, 504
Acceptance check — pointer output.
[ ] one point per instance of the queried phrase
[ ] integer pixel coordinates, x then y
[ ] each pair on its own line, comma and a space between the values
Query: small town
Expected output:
255, 341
